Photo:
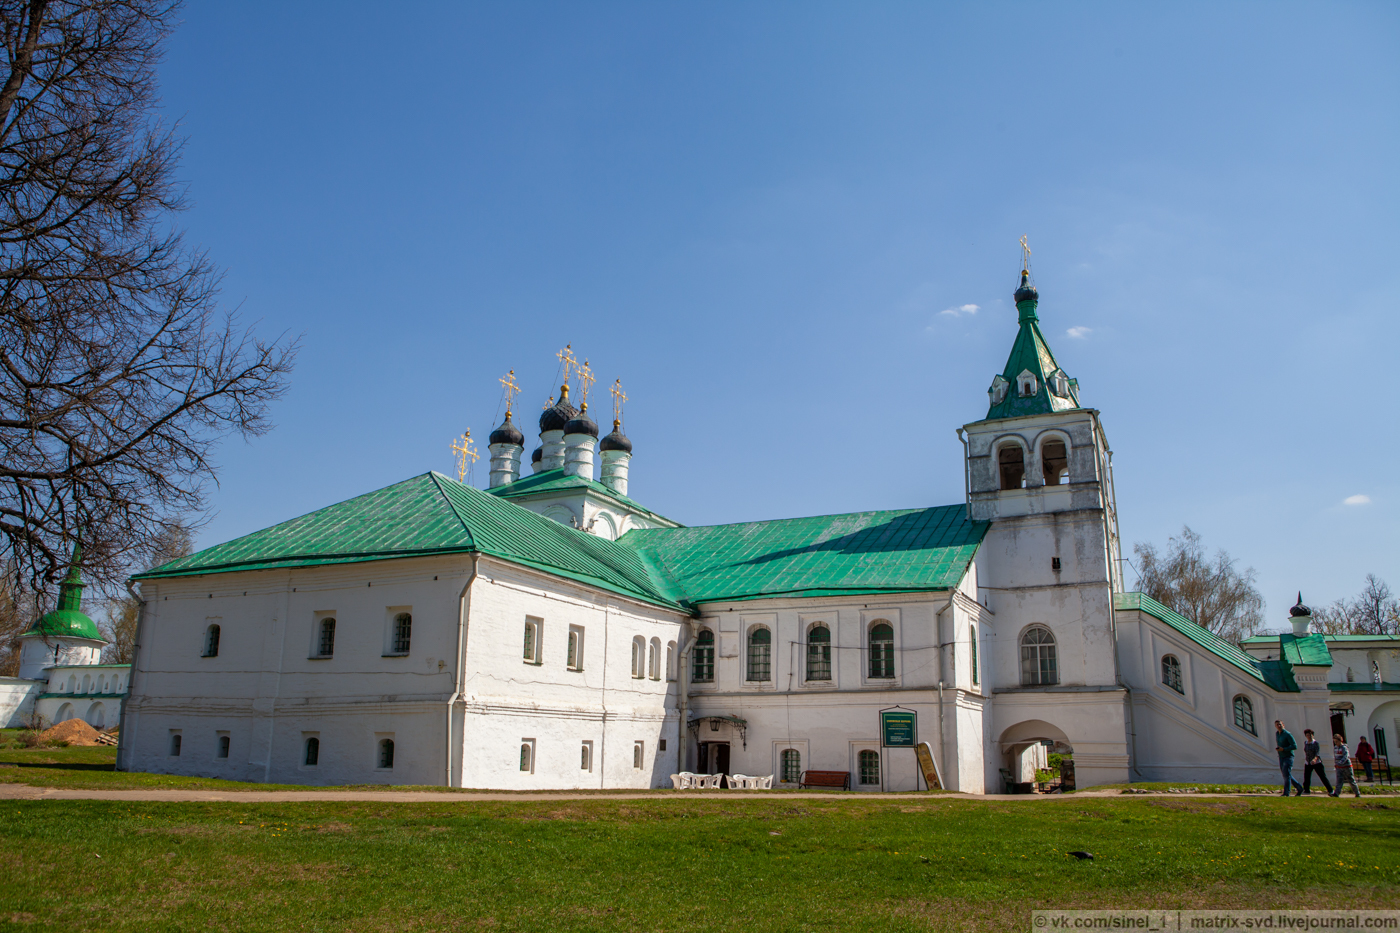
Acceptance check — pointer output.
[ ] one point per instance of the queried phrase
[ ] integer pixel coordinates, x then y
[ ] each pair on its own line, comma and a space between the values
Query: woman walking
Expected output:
1312, 761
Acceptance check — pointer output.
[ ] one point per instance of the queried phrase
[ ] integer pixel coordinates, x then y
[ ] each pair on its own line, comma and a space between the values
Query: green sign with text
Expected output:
897, 728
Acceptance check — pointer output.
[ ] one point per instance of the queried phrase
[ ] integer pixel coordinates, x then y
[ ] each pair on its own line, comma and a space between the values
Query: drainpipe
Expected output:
123, 746
967, 475
942, 675
683, 679
463, 606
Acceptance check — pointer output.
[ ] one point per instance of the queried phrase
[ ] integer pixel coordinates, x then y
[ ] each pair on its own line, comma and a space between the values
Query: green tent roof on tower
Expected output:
68, 620
1032, 382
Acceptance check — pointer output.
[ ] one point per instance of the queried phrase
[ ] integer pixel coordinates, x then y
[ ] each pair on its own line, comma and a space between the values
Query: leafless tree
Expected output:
118, 372
15, 616
124, 612
1208, 591
1375, 611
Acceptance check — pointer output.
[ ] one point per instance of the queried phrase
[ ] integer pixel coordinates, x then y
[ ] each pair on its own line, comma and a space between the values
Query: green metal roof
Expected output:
907, 550
425, 515
1269, 639
68, 620
1031, 352
1370, 687
1308, 650
1276, 674
556, 481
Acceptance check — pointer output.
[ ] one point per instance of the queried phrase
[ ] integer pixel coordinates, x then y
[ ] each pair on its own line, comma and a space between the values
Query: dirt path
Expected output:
26, 792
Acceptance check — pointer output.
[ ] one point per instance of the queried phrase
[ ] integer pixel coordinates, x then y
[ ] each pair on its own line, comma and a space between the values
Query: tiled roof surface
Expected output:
907, 550
1276, 674
557, 481
1310, 649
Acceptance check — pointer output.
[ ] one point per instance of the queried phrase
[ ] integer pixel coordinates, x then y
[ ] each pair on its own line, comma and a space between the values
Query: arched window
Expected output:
869, 767
703, 671
1038, 664
72, 684
313, 751
639, 649
638, 755
527, 757
65, 713
87, 683
97, 716
1011, 460
1054, 463
1171, 672
791, 766
386, 753
882, 651
670, 660
175, 740
211, 641
1244, 714
403, 632
972, 640
223, 746
532, 640
760, 655
654, 659
819, 653
586, 757
326, 645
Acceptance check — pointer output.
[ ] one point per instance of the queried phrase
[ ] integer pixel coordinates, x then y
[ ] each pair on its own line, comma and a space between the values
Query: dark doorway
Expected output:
1339, 725
714, 758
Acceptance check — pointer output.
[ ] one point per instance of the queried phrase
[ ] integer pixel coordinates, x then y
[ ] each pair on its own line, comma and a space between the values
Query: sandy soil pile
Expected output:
72, 731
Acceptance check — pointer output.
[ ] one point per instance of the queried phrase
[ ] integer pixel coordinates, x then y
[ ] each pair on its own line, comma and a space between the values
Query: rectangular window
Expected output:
574, 658
638, 755
661, 745
974, 657
532, 640
791, 760
703, 669
403, 632
869, 767
326, 644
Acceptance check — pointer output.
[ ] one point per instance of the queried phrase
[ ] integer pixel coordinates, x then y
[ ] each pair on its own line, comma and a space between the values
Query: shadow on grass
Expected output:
61, 765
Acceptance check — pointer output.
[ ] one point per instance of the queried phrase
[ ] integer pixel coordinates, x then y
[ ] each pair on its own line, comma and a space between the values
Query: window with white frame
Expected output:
1244, 714
639, 752
527, 755
573, 659
533, 649
819, 652
639, 661
586, 757
703, 657
869, 767
654, 659
1171, 673
881, 651
325, 638
403, 633
760, 659
791, 766
1039, 663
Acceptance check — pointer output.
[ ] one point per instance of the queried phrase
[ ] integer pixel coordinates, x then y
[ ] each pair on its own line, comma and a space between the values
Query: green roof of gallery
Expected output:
906, 550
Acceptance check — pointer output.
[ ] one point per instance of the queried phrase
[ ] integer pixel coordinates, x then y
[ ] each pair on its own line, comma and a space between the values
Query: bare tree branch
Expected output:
1209, 592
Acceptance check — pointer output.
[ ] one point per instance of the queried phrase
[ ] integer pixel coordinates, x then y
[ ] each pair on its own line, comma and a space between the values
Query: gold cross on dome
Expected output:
619, 398
511, 391
566, 359
585, 380
466, 455
1025, 255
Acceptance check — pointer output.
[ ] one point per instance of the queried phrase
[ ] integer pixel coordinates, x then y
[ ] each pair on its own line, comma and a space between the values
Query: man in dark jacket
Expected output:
1312, 761
1287, 747
1365, 754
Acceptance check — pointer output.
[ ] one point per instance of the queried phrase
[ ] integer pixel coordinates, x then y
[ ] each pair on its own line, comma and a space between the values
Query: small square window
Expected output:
1054, 563
661, 745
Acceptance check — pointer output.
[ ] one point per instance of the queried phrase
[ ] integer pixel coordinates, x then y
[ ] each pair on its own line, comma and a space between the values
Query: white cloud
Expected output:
960, 310
1357, 500
1079, 333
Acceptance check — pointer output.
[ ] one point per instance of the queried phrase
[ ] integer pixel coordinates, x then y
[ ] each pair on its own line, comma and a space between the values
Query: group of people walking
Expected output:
1287, 748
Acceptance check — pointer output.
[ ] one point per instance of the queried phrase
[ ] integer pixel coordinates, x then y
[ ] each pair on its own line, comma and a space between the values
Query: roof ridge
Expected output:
805, 518
434, 476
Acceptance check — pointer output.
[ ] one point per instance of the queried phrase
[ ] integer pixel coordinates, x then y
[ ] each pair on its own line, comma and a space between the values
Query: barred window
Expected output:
326, 646
1244, 715
586, 757
313, 751
527, 757
882, 651
386, 753
972, 640
532, 641
791, 766
1171, 673
403, 632
211, 641
819, 653
704, 667
869, 767
760, 655
1038, 664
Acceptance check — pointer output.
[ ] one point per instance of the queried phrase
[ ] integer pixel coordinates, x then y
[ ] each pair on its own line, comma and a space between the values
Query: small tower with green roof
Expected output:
64, 636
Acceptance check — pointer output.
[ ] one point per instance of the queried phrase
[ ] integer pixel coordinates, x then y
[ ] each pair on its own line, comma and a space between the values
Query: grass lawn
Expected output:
788, 863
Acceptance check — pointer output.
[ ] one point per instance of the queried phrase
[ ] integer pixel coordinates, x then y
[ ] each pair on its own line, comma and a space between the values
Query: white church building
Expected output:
551, 632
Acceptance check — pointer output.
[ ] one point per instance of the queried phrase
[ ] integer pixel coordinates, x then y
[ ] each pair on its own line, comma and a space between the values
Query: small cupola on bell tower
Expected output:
66, 635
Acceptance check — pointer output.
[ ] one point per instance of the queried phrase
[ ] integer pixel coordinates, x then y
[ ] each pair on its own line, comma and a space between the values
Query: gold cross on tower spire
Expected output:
619, 398
1025, 256
466, 455
566, 360
585, 382
510, 389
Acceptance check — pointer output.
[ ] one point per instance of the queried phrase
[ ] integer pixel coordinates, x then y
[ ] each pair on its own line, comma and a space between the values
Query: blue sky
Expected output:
761, 217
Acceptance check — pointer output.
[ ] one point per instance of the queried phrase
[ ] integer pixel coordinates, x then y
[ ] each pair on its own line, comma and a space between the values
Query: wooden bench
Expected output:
1380, 768
841, 779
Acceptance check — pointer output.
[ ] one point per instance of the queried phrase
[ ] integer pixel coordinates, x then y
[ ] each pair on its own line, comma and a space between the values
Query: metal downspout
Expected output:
463, 607
942, 676
967, 475
683, 679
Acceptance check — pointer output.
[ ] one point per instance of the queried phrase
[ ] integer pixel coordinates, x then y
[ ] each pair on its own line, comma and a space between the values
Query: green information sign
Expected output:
897, 728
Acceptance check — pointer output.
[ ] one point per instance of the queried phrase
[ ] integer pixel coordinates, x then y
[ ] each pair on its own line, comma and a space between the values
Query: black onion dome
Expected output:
507, 433
581, 424
1027, 291
538, 455
616, 440
1300, 609
558, 415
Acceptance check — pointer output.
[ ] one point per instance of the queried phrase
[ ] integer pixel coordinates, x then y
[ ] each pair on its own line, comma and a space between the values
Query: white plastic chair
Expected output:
677, 782
684, 781
713, 781
739, 781
763, 783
